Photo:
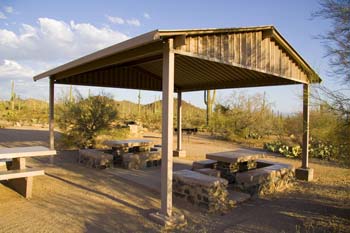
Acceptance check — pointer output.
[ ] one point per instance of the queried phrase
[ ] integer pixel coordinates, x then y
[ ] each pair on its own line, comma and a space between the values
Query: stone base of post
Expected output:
179, 153
306, 174
173, 222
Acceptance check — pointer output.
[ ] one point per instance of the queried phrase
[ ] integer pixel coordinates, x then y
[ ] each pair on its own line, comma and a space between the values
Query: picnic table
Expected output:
135, 153
236, 156
130, 145
17, 175
231, 162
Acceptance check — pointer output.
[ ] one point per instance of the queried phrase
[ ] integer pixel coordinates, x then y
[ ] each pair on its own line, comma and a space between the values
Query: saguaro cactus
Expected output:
13, 96
209, 101
70, 94
139, 104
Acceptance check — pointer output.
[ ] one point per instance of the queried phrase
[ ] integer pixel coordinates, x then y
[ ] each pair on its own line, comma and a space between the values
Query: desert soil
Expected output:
73, 198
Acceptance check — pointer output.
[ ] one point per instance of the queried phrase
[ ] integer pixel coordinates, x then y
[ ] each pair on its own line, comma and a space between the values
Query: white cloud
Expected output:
146, 15
56, 30
115, 19
31, 49
133, 22
2, 15
52, 40
10, 69
119, 20
8, 39
8, 9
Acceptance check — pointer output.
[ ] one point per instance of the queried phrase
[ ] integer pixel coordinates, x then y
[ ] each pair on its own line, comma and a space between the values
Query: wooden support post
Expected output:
305, 173
179, 121
51, 115
306, 119
167, 129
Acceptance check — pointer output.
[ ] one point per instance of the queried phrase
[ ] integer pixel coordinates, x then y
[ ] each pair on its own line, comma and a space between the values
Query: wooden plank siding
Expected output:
249, 50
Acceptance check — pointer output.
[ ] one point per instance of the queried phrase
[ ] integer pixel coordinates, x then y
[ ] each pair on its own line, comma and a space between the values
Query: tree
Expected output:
337, 43
82, 120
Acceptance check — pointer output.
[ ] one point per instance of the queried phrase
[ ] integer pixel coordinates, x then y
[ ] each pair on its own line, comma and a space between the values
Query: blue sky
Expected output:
38, 35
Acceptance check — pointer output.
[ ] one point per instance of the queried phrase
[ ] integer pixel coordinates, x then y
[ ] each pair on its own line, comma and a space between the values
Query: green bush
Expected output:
317, 149
82, 120
293, 151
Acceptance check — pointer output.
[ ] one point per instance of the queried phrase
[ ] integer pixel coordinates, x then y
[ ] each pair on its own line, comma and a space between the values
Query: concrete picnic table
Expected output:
18, 176
236, 156
123, 147
231, 162
130, 143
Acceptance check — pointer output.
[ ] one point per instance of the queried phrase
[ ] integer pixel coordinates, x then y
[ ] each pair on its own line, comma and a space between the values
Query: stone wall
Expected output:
265, 180
141, 160
228, 170
95, 158
202, 190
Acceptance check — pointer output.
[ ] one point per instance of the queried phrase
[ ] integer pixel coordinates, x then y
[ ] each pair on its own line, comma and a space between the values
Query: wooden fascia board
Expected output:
274, 34
172, 33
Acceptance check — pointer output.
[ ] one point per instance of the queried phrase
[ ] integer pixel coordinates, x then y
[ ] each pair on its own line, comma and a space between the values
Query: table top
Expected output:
236, 156
29, 151
128, 143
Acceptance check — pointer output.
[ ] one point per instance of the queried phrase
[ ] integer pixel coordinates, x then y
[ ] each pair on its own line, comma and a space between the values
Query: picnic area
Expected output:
80, 199
117, 126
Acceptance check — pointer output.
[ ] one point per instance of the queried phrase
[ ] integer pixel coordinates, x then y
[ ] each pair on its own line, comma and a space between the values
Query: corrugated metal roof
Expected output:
205, 59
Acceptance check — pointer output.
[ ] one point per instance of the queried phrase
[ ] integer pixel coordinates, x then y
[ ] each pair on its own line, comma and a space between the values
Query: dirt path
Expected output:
72, 198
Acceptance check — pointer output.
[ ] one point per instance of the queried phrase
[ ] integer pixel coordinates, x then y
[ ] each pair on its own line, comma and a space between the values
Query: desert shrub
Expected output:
324, 150
329, 133
81, 121
290, 151
244, 116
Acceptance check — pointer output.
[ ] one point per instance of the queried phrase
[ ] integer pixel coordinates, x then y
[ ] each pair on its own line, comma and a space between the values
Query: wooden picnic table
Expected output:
18, 176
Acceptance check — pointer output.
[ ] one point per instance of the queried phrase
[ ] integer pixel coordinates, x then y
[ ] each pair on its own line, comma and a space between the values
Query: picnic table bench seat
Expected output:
21, 180
20, 173
266, 179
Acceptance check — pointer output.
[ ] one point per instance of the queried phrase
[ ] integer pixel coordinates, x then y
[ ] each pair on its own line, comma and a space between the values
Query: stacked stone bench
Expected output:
207, 163
202, 190
206, 167
268, 178
95, 158
141, 160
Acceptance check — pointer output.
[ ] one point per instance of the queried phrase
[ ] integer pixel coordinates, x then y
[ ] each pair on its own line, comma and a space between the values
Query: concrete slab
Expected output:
147, 178
238, 197
207, 163
179, 153
195, 178
209, 172
306, 174
236, 156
